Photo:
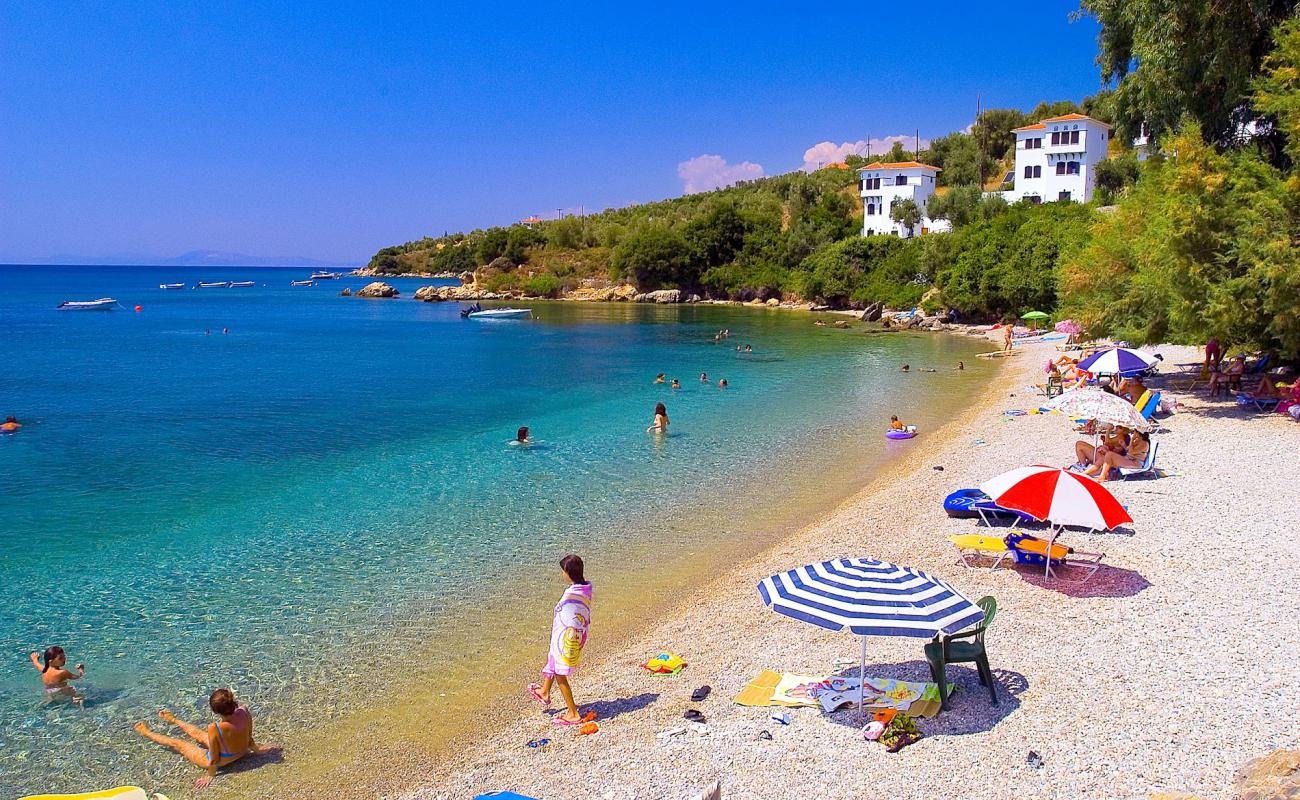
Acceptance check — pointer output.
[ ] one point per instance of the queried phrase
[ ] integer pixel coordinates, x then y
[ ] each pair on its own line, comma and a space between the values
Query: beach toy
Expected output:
666, 663
10, 427
1031, 550
588, 729
961, 503
503, 796
894, 434
139, 308
120, 793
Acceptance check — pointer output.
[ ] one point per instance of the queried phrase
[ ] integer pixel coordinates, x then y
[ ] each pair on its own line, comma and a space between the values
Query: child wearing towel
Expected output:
568, 635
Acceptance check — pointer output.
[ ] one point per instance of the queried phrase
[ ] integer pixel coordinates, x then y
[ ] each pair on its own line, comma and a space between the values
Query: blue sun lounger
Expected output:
1148, 467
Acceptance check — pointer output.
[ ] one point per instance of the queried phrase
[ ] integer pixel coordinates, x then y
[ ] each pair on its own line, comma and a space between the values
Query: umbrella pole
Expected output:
862, 679
1047, 570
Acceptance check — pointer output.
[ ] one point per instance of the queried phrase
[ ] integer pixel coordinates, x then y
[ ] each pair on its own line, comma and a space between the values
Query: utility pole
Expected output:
916, 156
981, 129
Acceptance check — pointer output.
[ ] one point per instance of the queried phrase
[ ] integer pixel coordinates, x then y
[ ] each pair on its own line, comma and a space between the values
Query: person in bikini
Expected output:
224, 742
55, 676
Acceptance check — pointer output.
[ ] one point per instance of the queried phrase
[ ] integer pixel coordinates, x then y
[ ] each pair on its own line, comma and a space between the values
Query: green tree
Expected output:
993, 130
958, 155
1277, 89
653, 257
907, 213
716, 235
1172, 58
836, 271
962, 205
896, 153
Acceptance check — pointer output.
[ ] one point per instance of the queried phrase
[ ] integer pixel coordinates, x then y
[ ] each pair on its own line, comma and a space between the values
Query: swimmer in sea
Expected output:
11, 425
521, 436
722, 384
906, 368
961, 366
677, 384
749, 348
927, 369
704, 377
659, 378
660, 425
55, 677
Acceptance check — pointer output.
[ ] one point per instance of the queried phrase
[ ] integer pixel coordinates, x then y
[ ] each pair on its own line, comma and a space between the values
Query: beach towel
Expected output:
569, 630
915, 698
665, 663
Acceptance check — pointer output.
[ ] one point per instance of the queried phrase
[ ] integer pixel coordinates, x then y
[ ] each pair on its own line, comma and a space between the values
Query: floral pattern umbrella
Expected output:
1089, 402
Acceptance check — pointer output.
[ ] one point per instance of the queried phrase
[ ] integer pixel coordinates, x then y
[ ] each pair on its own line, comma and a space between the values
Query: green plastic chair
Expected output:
955, 650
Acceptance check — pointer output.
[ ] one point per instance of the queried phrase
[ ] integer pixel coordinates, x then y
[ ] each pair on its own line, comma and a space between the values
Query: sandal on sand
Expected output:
699, 694
693, 715
536, 692
565, 723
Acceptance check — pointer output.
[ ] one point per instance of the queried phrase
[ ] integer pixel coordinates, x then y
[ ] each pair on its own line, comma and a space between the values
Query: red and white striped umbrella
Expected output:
1057, 496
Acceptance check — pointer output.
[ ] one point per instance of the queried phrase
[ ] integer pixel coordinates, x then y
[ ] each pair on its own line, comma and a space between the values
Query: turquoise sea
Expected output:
328, 486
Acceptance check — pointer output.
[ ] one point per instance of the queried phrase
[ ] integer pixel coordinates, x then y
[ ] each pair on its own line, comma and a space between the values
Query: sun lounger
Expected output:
1261, 403
1202, 375
1031, 550
1148, 466
989, 512
1153, 402
976, 549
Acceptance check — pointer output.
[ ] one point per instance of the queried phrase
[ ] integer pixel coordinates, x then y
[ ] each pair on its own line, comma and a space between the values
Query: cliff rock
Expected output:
378, 289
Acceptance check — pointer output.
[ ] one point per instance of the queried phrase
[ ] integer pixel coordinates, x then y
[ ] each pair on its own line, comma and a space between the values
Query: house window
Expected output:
1074, 137
1072, 168
1060, 168
1038, 171
1029, 172
1034, 199
1038, 143
871, 211
1063, 196
1056, 137
871, 183
901, 180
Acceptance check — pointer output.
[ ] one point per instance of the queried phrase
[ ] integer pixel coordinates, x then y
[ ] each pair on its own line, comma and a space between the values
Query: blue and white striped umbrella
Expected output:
870, 598
1116, 361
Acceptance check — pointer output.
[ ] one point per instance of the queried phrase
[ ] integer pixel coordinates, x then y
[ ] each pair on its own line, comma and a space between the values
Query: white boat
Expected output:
325, 276
302, 283
500, 313
243, 283
102, 304
171, 286
213, 284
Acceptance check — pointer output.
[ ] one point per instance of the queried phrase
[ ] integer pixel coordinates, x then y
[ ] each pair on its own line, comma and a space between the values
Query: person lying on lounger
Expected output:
224, 742
1139, 444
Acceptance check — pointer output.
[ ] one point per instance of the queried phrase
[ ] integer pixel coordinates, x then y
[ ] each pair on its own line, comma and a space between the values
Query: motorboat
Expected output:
501, 313
325, 276
102, 304
302, 283
171, 286
242, 283
214, 284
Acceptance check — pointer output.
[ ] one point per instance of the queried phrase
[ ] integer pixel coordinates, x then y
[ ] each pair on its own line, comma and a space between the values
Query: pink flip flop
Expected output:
561, 722
536, 692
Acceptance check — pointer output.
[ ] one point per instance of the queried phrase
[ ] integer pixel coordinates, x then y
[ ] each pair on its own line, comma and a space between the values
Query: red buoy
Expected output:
138, 308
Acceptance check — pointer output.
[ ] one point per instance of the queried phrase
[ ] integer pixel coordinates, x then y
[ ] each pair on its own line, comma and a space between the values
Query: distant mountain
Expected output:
194, 258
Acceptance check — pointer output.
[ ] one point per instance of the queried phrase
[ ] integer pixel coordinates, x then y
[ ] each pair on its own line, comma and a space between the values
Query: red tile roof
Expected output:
1037, 126
899, 165
1074, 118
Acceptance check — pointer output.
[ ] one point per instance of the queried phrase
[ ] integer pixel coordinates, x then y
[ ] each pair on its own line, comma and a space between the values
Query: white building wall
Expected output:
878, 200
1066, 169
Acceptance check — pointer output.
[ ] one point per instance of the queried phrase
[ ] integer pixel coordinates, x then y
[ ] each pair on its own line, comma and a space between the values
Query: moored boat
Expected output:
213, 284
102, 304
500, 313
325, 276
171, 286
243, 283
302, 283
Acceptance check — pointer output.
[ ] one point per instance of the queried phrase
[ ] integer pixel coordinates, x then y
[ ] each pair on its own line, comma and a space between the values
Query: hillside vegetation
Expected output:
1201, 240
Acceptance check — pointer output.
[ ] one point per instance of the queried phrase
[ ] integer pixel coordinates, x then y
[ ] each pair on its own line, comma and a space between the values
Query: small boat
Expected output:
302, 283
325, 276
894, 434
500, 313
242, 283
213, 284
102, 304
171, 286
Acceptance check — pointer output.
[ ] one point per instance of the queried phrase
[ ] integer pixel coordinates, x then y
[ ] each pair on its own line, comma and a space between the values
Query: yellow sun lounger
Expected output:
120, 793
976, 548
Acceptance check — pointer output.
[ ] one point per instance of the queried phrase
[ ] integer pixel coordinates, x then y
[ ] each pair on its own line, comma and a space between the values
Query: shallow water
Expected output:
294, 508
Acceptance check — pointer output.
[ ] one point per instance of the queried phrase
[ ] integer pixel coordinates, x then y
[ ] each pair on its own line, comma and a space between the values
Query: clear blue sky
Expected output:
328, 130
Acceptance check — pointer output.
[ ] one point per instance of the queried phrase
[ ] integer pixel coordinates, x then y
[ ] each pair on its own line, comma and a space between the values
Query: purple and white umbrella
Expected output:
1116, 361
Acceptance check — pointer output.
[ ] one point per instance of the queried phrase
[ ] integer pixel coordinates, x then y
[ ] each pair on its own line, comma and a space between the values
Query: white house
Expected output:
884, 184
1056, 159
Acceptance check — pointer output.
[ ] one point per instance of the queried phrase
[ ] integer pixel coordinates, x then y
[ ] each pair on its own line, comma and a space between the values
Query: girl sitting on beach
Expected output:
224, 742
660, 425
895, 425
1139, 444
568, 635
54, 677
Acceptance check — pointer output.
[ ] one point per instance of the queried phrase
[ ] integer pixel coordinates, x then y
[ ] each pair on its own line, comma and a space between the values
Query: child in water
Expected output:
660, 424
521, 436
677, 384
659, 378
895, 425
54, 678
568, 635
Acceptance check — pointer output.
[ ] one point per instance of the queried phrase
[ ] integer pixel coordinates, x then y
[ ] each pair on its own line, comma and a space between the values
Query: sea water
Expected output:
276, 488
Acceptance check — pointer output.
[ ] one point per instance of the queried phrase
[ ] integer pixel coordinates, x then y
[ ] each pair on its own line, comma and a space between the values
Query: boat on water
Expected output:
500, 313
242, 283
102, 304
171, 286
325, 276
302, 283
213, 284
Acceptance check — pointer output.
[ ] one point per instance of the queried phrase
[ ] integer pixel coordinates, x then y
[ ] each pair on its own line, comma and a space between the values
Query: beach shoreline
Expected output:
1085, 671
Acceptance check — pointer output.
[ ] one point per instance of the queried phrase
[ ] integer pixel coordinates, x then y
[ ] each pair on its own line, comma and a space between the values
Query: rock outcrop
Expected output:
1275, 776
661, 296
437, 294
345, 293
872, 312
378, 289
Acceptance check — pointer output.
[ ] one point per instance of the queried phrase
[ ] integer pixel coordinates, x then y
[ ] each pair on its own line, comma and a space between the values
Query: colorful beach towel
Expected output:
773, 688
569, 630
665, 663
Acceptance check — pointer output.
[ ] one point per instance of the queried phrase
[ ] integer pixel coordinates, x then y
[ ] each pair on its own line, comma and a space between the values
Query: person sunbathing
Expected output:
1131, 389
1115, 441
1220, 381
1139, 444
1266, 390
224, 742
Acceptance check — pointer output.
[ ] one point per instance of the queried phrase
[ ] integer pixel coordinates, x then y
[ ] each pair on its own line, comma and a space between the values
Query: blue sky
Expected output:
328, 130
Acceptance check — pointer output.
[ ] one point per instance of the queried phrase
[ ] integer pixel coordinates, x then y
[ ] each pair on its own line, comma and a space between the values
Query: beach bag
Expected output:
666, 663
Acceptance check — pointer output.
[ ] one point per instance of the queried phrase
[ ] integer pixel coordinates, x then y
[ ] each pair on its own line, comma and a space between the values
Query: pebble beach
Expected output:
1164, 673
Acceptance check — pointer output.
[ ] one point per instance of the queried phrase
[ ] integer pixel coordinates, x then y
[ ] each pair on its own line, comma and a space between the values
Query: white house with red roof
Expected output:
882, 185
1056, 159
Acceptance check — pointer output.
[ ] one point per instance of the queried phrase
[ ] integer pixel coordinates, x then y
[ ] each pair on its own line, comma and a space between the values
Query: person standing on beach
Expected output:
1006, 338
568, 636
660, 425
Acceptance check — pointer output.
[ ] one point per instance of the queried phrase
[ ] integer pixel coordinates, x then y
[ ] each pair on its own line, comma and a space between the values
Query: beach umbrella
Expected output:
1034, 315
1058, 496
1069, 326
870, 598
1090, 402
1115, 361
